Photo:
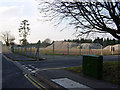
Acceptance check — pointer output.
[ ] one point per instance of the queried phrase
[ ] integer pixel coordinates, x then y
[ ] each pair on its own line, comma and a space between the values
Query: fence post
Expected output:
30, 50
12, 49
15, 49
101, 50
68, 48
53, 48
18, 50
37, 52
25, 50
89, 49
80, 49
21, 50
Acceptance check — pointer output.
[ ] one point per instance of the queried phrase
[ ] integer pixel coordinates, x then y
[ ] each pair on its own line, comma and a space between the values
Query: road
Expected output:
13, 77
61, 62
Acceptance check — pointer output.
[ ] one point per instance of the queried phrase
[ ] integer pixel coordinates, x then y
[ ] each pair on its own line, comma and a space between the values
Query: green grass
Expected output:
111, 71
75, 69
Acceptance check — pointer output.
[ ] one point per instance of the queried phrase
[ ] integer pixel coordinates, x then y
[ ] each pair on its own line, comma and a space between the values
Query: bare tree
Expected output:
8, 38
24, 31
86, 17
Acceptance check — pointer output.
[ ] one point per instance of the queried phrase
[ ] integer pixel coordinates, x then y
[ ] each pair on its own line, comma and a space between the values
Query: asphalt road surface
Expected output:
13, 77
61, 62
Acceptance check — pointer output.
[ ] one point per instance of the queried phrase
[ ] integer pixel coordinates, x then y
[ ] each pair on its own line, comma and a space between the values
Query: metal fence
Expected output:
36, 51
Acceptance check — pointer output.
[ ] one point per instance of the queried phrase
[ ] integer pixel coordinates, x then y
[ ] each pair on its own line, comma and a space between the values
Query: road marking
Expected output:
29, 65
33, 71
30, 69
32, 66
36, 69
52, 68
23, 65
37, 82
32, 82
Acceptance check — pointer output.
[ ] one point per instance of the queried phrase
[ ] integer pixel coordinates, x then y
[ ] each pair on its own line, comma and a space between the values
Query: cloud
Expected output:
11, 11
13, 0
11, 14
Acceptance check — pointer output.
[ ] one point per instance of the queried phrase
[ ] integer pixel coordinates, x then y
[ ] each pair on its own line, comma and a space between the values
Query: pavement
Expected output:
60, 78
87, 81
17, 57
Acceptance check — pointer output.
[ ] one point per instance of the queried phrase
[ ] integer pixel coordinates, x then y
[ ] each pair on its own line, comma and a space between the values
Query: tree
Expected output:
23, 41
24, 31
46, 42
8, 38
87, 17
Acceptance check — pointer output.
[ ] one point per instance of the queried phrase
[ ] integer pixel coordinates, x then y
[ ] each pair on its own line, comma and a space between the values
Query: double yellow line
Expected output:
35, 83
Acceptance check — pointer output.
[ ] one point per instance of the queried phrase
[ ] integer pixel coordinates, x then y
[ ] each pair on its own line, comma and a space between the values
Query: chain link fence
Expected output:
65, 49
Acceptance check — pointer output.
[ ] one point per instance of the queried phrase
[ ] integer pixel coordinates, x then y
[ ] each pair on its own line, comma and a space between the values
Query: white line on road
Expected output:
30, 69
51, 68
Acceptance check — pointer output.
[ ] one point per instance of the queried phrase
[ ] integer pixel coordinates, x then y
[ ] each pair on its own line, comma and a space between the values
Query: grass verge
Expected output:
111, 71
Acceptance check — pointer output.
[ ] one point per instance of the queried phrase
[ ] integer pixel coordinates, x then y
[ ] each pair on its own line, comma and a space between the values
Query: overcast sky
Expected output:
12, 12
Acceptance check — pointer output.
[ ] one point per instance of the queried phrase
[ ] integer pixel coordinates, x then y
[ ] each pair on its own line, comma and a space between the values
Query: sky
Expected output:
12, 12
